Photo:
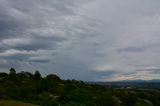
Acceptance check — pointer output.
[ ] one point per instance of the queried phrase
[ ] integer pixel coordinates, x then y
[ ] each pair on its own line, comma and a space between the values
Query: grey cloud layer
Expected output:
33, 32
82, 39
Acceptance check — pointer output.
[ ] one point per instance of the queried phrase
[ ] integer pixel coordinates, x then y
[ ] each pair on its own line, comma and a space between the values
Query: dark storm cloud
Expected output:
31, 19
27, 27
33, 32
42, 24
31, 43
16, 55
18, 17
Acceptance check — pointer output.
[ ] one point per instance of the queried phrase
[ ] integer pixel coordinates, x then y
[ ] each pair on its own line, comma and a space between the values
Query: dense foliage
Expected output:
52, 91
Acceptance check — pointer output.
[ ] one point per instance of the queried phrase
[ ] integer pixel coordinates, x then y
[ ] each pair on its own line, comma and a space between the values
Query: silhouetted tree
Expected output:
37, 75
12, 71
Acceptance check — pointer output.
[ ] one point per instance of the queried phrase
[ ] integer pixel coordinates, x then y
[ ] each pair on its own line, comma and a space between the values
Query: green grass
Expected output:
14, 103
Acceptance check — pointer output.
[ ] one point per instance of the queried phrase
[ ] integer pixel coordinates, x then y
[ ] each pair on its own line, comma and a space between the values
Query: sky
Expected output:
89, 40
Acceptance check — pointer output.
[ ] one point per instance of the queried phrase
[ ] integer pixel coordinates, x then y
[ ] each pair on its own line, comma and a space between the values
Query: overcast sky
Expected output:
90, 40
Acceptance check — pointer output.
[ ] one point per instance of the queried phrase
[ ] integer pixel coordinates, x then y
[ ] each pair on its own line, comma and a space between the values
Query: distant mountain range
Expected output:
153, 80
155, 83
121, 81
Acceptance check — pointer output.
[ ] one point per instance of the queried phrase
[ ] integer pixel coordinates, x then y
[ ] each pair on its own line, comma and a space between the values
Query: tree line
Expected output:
53, 91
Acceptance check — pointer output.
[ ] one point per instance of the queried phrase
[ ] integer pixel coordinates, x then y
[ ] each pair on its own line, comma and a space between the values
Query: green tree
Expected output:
12, 71
37, 75
3, 75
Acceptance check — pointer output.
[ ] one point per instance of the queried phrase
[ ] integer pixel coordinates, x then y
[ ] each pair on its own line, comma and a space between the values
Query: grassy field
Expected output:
14, 103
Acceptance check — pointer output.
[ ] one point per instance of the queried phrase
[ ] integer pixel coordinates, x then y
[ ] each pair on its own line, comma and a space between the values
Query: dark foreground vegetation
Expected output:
52, 91
14, 103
